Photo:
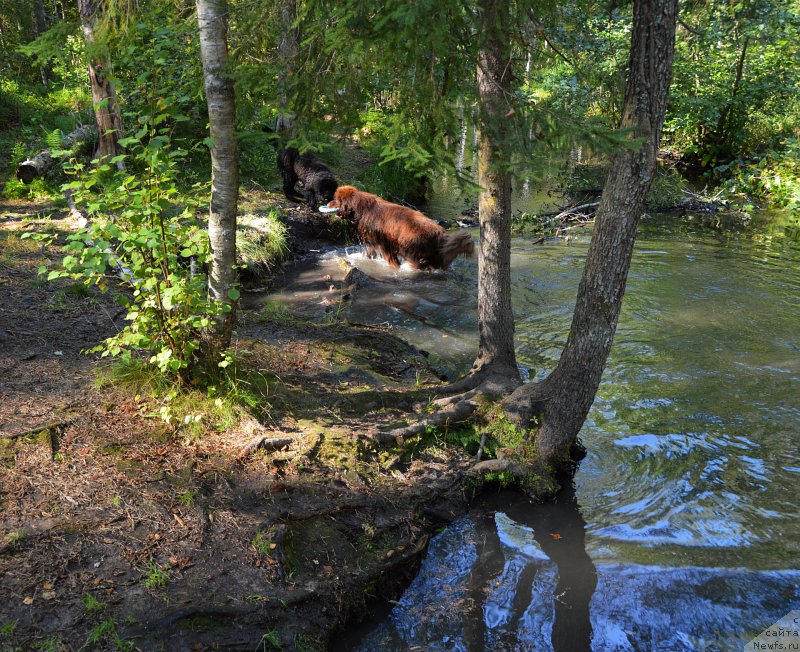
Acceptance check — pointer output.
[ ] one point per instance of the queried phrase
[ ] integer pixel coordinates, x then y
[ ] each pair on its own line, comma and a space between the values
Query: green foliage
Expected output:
736, 81
59, 49
667, 190
187, 498
145, 230
261, 544
15, 537
7, 629
157, 65
270, 639
505, 434
106, 633
36, 190
50, 644
92, 604
774, 178
155, 577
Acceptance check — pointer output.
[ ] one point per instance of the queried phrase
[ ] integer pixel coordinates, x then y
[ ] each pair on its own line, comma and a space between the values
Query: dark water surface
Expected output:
682, 530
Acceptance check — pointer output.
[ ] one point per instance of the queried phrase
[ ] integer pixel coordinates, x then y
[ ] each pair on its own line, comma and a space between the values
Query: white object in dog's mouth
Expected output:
328, 209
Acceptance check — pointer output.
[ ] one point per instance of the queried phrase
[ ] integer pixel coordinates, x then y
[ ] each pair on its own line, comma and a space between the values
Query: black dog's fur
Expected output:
318, 182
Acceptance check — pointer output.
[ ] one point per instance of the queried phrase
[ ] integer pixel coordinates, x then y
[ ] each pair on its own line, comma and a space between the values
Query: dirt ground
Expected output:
121, 532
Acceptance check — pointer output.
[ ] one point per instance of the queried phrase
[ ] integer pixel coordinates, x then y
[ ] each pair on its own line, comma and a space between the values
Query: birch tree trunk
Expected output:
563, 399
212, 20
104, 97
495, 317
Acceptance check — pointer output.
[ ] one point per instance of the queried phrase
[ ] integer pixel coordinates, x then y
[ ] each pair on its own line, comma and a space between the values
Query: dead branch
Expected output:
264, 443
57, 426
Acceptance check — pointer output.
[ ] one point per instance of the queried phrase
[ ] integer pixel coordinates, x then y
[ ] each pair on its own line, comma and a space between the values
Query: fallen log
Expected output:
38, 165
34, 167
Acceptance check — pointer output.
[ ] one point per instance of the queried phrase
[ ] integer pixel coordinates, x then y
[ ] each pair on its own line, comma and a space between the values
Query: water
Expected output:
682, 531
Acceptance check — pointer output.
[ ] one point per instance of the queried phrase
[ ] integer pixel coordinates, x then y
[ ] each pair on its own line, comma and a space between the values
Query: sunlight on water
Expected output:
688, 501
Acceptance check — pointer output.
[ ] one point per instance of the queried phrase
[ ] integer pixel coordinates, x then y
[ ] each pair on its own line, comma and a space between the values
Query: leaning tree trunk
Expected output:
212, 19
104, 97
564, 398
495, 317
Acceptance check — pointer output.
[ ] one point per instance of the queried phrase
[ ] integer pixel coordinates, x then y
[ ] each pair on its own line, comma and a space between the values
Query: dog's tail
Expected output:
454, 245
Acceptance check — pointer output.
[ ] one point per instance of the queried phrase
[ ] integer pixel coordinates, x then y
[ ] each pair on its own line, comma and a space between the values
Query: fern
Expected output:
54, 139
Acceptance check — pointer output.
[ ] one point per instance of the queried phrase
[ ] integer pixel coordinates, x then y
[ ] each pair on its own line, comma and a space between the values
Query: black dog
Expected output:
318, 181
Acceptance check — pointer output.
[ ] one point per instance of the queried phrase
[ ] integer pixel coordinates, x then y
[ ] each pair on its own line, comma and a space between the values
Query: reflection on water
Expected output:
514, 576
507, 530
691, 487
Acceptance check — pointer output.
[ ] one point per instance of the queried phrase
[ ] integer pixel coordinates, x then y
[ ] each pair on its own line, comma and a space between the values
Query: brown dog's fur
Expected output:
394, 231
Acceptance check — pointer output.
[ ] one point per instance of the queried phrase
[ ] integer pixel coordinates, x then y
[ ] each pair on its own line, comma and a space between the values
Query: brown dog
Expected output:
396, 231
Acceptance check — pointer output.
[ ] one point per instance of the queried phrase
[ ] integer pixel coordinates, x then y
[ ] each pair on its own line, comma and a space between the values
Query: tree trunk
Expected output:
288, 51
495, 317
721, 136
567, 394
104, 97
40, 20
212, 20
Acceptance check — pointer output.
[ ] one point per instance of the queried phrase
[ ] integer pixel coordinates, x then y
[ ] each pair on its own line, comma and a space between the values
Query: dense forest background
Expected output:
264, 471
399, 78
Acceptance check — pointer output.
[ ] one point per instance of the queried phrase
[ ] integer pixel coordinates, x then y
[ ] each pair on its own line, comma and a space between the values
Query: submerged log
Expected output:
38, 165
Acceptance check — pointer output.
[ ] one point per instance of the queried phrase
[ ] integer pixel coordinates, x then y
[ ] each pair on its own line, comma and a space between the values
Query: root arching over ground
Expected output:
464, 400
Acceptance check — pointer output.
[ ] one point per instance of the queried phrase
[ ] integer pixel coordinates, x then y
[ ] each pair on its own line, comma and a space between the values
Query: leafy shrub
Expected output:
774, 178
145, 231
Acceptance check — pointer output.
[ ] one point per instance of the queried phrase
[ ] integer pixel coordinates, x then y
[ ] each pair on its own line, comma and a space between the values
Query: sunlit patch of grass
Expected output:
275, 312
190, 411
70, 296
13, 247
262, 242
187, 498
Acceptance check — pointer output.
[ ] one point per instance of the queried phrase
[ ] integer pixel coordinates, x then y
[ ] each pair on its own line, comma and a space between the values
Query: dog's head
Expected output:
327, 190
351, 201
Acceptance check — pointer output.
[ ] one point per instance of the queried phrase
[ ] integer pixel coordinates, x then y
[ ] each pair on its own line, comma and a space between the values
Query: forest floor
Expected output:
119, 531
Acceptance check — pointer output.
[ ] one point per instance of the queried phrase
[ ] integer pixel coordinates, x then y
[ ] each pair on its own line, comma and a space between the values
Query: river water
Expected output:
681, 531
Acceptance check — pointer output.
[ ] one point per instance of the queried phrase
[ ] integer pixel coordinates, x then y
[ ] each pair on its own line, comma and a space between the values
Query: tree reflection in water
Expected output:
559, 530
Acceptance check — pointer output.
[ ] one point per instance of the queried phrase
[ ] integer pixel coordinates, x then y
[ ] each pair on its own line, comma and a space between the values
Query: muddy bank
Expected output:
269, 531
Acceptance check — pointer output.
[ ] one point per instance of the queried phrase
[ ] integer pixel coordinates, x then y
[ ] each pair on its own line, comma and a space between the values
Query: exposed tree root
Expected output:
458, 408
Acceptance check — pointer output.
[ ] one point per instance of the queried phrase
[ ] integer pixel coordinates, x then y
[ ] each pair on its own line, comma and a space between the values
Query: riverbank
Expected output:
267, 529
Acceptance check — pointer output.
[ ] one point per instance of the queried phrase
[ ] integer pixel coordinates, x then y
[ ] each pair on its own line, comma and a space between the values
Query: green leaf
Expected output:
234, 294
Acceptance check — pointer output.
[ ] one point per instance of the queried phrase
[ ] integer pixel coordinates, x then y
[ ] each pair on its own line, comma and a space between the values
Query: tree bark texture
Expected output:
40, 20
495, 316
568, 393
104, 96
288, 51
212, 20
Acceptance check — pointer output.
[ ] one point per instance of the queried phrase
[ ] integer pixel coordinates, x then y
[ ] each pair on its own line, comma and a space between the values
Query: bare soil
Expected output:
120, 531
